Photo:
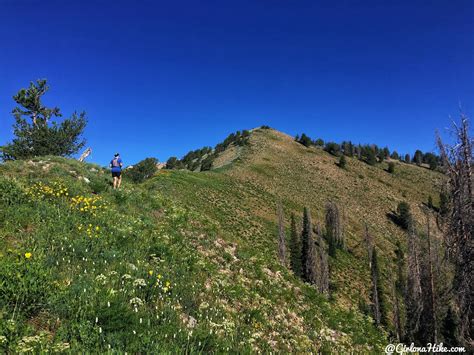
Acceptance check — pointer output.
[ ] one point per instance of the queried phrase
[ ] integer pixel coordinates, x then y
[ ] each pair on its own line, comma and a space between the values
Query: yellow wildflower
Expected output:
28, 255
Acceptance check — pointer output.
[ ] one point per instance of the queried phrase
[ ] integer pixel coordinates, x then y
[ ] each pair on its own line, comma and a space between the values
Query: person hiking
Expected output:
116, 165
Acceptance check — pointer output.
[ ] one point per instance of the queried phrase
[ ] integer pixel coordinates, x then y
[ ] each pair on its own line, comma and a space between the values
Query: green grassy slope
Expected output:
187, 261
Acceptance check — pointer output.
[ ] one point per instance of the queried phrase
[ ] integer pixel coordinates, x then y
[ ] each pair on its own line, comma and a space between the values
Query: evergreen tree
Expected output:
394, 155
43, 135
391, 167
449, 329
342, 161
407, 158
305, 140
334, 233
418, 157
295, 249
404, 217
312, 265
370, 156
443, 203
143, 170
306, 241
319, 142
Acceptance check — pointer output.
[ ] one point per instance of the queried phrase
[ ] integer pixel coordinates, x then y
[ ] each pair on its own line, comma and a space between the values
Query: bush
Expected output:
404, 218
305, 140
342, 161
391, 167
99, 184
10, 192
332, 148
143, 170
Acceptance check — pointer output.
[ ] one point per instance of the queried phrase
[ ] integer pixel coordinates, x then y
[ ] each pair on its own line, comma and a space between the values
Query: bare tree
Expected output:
413, 295
85, 154
323, 277
281, 236
457, 162
429, 314
333, 225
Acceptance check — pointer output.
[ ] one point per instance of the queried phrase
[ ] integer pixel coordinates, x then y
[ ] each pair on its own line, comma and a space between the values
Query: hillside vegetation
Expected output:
187, 261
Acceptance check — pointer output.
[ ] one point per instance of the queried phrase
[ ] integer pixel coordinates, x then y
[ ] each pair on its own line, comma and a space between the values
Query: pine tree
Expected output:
342, 161
418, 157
334, 233
295, 248
391, 167
407, 158
449, 329
306, 241
43, 136
312, 265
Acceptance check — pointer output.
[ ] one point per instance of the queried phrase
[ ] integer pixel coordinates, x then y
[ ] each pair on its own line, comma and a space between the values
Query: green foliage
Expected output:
42, 136
319, 142
370, 156
394, 155
332, 148
391, 167
407, 158
305, 140
203, 159
143, 170
99, 184
380, 289
404, 217
418, 157
305, 240
10, 192
342, 161
174, 163
295, 248
443, 203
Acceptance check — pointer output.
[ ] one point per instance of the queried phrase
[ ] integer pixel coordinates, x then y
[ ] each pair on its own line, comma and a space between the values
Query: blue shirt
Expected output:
116, 169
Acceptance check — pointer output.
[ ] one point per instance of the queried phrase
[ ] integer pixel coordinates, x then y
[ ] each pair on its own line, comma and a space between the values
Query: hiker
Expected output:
116, 165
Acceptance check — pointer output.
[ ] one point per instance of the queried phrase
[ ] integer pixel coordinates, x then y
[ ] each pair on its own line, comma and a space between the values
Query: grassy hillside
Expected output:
187, 260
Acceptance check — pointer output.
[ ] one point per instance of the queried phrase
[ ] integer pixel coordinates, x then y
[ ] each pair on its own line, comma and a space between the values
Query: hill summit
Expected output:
188, 261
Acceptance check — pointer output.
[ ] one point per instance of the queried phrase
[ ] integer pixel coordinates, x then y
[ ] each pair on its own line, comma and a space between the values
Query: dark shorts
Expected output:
116, 174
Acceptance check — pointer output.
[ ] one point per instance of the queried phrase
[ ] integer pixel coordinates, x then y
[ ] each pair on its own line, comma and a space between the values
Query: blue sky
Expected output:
159, 78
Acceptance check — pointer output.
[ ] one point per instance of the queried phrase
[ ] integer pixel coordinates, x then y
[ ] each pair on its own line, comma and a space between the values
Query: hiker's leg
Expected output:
115, 182
119, 180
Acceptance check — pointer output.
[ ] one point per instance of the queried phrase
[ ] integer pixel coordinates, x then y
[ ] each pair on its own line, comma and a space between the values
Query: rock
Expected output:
86, 180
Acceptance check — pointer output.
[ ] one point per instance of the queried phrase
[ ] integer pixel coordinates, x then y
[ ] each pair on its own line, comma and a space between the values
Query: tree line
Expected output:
428, 298
369, 153
203, 159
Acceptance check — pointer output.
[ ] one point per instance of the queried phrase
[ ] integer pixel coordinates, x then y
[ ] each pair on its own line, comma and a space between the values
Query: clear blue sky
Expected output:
159, 78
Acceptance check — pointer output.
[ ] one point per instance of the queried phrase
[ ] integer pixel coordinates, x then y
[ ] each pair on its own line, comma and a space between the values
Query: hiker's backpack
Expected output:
115, 163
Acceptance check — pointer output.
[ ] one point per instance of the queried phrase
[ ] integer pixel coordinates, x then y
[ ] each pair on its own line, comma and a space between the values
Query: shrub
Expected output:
143, 170
332, 148
404, 217
99, 184
305, 140
391, 167
10, 192
342, 161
